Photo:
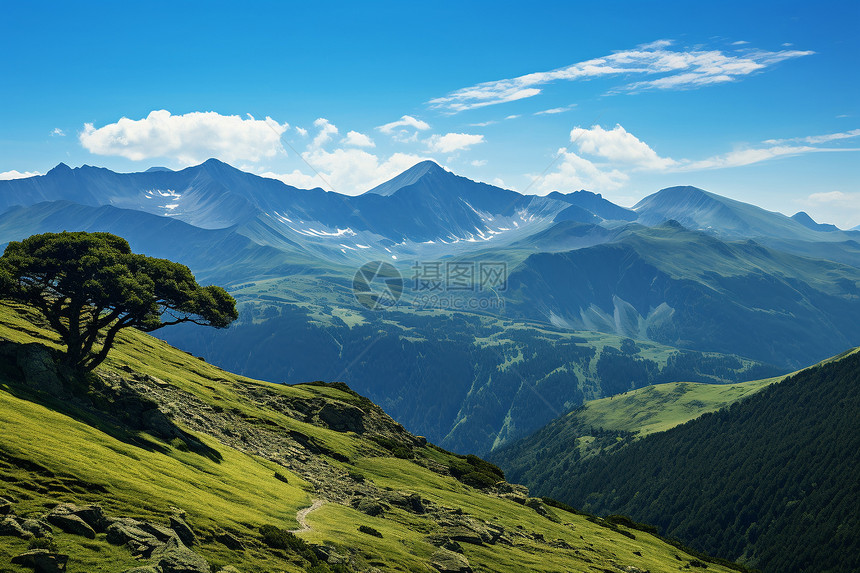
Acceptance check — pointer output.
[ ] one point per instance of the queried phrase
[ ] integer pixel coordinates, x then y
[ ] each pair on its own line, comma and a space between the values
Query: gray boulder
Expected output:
92, 515
463, 535
37, 527
174, 557
447, 561
71, 523
406, 500
42, 560
129, 532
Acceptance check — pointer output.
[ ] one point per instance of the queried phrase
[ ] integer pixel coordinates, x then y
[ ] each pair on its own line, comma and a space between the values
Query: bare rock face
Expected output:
37, 365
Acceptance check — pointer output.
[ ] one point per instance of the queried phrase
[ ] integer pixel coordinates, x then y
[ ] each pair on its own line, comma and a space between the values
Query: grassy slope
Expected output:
662, 406
240, 493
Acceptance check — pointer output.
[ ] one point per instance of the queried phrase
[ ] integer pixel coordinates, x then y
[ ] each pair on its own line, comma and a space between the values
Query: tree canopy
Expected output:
89, 286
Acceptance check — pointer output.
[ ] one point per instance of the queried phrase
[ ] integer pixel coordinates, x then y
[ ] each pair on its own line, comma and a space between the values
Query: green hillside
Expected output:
159, 436
770, 480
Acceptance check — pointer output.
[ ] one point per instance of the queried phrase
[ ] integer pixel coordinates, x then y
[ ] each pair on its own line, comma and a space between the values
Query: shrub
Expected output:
369, 530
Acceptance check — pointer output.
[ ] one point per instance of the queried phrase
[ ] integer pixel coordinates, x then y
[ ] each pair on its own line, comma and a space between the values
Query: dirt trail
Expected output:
303, 513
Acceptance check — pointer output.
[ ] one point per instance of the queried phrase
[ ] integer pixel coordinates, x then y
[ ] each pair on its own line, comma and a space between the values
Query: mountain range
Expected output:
686, 285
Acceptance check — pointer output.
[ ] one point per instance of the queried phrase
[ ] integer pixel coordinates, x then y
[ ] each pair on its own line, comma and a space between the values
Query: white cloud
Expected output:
741, 43
574, 172
814, 139
552, 111
357, 139
478, 162
57, 132
837, 207
618, 146
743, 157
453, 142
7, 175
296, 178
678, 69
515, 116
405, 121
405, 129
326, 131
189, 138
302, 131
832, 197
483, 123
621, 149
349, 171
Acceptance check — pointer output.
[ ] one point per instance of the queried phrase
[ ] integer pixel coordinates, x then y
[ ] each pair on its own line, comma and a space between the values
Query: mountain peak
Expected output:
60, 168
409, 177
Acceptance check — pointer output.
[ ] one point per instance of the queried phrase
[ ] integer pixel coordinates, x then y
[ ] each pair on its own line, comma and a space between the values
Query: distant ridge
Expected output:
595, 203
698, 209
804, 219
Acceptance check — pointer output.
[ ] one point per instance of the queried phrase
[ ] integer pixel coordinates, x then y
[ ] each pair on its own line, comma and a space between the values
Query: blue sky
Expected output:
759, 101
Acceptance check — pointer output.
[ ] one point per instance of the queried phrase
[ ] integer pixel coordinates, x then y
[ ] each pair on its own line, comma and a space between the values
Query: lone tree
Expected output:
89, 286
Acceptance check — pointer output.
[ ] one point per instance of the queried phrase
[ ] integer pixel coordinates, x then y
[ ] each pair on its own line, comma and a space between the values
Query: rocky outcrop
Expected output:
447, 561
85, 520
174, 557
182, 530
369, 506
342, 417
514, 492
37, 365
162, 546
